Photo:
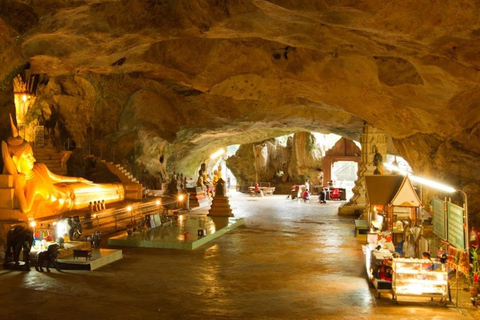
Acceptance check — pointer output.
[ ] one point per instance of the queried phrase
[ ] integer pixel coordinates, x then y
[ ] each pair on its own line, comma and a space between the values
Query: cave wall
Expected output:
242, 163
135, 80
272, 162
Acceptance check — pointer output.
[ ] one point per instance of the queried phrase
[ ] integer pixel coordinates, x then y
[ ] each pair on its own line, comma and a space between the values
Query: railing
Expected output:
112, 220
69, 145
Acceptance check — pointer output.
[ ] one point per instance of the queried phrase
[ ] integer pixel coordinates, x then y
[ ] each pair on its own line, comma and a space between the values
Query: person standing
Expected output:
306, 192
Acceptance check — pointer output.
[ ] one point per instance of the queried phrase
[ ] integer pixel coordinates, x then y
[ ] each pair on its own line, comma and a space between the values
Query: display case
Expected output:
420, 277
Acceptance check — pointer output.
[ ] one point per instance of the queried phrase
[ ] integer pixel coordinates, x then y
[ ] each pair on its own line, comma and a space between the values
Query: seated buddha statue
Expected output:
40, 192
215, 177
200, 181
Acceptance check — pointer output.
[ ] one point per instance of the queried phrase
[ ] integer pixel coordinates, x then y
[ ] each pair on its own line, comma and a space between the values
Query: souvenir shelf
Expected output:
419, 277
374, 259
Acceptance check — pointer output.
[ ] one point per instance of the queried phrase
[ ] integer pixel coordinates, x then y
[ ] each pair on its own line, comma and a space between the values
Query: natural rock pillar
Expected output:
373, 141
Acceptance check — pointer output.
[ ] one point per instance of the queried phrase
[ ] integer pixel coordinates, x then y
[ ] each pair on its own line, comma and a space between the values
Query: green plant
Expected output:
474, 268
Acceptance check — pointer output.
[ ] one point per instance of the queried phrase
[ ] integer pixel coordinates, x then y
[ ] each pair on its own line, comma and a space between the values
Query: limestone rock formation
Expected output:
270, 161
136, 80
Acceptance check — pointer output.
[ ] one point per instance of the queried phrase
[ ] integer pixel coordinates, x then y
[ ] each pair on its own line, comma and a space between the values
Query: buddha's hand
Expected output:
83, 180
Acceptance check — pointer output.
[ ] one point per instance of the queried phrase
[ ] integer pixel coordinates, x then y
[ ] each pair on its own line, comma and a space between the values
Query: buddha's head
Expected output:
20, 150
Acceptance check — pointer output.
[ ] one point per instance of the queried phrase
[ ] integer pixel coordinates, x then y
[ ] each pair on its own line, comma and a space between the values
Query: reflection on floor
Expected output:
99, 258
184, 232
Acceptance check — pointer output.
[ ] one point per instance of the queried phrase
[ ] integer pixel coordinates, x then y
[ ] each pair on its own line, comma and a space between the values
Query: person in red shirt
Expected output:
258, 191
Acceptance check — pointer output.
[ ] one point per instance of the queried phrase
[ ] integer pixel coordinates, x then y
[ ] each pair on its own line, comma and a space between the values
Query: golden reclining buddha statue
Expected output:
38, 192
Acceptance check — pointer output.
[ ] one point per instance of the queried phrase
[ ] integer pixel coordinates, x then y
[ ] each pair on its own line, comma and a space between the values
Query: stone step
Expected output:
44, 152
52, 159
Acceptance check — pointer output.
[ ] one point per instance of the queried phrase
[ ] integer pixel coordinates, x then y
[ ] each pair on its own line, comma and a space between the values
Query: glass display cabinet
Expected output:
420, 277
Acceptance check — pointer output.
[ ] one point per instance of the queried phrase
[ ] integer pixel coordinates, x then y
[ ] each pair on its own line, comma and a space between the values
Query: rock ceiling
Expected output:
186, 77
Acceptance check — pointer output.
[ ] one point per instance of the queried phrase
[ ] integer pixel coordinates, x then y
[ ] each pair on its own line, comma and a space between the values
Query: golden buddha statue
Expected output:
40, 192
215, 177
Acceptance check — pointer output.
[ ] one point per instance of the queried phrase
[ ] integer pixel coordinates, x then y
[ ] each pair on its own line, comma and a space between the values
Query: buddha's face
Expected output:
26, 161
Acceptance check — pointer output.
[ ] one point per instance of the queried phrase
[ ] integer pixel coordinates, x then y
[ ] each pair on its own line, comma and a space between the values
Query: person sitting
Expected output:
306, 195
257, 190
40, 192
322, 196
427, 266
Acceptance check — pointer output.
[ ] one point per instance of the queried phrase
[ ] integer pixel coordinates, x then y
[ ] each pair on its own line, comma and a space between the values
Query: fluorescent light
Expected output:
396, 168
421, 180
432, 184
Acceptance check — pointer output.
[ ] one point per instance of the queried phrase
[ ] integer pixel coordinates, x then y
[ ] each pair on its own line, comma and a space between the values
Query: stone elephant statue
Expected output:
18, 238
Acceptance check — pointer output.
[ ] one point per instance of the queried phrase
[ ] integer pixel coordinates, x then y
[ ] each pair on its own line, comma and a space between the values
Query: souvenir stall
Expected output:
392, 206
392, 221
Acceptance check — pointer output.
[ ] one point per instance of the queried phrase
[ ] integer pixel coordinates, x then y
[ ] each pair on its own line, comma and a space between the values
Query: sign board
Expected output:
439, 219
455, 233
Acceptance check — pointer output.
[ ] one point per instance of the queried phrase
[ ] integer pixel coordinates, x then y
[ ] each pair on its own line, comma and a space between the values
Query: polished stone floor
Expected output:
291, 260
183, 231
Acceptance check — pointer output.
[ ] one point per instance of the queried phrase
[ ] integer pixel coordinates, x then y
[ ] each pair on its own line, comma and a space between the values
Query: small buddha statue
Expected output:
200, 181
377, 161
40, 192
215, 177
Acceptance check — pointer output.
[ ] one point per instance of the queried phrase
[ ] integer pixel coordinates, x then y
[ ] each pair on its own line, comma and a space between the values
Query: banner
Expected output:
439, 218
455, 233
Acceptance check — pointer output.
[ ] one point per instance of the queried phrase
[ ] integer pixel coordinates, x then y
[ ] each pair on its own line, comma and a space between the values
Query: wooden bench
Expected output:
87, 254
265, 191
268, 190
253, 192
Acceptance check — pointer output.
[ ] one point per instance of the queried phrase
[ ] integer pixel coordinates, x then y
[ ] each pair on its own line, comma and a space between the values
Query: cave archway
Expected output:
344, 150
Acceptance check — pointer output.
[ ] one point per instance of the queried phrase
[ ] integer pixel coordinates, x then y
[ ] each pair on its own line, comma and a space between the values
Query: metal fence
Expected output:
110, 220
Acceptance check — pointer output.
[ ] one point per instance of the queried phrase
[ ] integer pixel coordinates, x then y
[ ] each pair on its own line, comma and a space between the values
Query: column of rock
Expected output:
372, 141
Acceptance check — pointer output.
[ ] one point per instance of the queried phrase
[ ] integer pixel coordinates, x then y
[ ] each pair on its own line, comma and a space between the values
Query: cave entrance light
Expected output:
219, 157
